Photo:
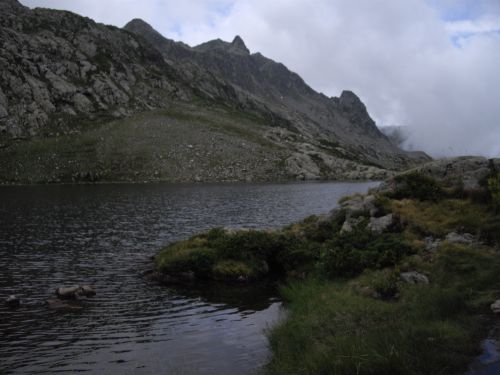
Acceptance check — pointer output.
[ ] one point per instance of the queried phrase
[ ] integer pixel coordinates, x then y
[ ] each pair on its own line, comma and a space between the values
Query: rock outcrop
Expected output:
465, 172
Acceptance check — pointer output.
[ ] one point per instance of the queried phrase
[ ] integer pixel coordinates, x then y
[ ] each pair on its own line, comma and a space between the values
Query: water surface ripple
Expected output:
104, 235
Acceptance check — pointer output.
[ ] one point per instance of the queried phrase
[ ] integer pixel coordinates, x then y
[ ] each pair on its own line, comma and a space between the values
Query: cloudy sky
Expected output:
431, 65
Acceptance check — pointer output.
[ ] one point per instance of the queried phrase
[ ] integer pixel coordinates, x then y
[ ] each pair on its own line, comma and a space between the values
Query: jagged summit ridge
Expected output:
238, 45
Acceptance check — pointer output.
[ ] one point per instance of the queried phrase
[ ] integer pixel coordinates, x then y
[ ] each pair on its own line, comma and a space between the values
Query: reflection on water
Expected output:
104, 235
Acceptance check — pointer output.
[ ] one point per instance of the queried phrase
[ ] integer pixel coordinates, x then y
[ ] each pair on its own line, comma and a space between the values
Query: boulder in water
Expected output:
87, 291
73, 292
67, 292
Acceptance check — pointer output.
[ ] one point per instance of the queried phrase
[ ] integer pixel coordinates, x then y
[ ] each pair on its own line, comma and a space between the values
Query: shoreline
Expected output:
166, 182
404, 252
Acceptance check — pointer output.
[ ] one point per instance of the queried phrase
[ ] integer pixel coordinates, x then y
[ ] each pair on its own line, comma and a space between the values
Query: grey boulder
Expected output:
414, 277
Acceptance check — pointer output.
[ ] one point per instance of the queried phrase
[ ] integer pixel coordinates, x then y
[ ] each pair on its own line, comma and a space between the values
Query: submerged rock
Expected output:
68, 292
57, 304
12, 301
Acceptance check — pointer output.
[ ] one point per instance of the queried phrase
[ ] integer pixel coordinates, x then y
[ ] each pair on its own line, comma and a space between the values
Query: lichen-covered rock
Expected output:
380, 224
414, 277
465, 238
349, 224
359, 205
432, 244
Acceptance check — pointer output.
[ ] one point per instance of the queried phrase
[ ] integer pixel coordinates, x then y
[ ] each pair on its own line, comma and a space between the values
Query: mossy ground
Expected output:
349, 310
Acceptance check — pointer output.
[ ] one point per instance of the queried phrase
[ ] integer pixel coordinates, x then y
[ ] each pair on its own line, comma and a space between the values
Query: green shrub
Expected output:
177, 259
350, 253
385, 283
416, 185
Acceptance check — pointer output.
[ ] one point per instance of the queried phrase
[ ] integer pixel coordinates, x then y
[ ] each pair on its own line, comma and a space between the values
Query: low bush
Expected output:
348, 254
416, 185
385, 282
251, 254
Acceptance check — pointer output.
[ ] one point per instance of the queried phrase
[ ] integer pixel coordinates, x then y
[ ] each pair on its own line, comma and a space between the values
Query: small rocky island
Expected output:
403, 279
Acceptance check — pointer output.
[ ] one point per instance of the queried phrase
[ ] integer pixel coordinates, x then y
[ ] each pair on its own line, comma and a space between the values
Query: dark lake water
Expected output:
104, 235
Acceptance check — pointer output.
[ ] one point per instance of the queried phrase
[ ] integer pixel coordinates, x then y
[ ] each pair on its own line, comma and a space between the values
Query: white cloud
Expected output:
413, 63
466, 28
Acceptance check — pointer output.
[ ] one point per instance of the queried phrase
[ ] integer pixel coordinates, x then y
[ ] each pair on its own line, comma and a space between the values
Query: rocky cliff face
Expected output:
63, 75
59, 70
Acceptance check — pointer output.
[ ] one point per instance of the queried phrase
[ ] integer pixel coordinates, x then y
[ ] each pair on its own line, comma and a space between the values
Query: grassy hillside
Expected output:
181, 143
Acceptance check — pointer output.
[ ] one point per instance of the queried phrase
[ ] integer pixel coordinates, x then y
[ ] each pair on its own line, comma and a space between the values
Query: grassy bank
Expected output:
334, 328
352, 310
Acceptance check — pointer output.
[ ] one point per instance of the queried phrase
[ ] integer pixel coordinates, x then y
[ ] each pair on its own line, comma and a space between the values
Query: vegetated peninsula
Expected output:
87, 102
402, 280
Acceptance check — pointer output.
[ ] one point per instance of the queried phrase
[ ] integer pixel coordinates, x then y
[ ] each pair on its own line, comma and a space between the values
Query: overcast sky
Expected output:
432, 65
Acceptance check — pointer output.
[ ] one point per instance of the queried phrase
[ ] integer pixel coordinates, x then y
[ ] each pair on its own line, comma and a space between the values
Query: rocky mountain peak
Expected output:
350, 100
138, 25
356, 111
238, 46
